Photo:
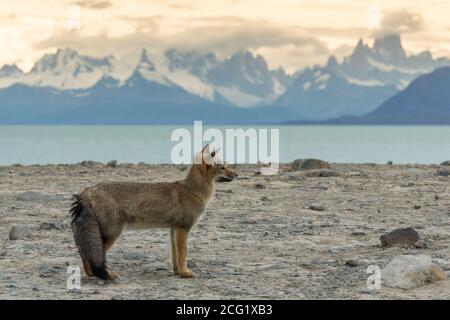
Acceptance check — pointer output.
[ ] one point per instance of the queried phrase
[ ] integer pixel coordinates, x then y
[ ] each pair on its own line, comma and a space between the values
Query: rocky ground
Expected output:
295, 235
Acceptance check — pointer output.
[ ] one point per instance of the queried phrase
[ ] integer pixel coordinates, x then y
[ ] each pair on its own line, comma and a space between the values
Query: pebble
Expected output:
358, 232
19, 231
316, 207
50, 226
352, 263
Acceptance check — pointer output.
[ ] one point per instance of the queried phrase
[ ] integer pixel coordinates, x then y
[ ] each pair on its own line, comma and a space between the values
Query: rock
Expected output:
417, 207
112, 164
259, 186
358, 233
309, 164
443, 172
50, 226
19, 231
322, 173
408, 272
89, 163
265, 199
445, 163
421, 244
33, 196
316, 207
352, 263
400, 237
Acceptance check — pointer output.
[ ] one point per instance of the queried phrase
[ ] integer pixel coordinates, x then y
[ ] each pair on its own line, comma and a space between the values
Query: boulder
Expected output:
443, 171
399, 238
19, 231
309, 164
112, 164
408, 272
445, 163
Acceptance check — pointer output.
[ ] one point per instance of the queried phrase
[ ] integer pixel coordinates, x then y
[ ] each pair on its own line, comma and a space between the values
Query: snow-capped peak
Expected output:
10, 70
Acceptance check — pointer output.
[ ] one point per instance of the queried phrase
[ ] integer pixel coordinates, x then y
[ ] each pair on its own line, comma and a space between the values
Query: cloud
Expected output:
221, 35
401, 22
93, 4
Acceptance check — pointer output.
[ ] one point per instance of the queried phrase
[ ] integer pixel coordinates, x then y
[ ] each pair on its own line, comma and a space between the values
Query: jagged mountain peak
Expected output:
389, 48
145, 62
10, 70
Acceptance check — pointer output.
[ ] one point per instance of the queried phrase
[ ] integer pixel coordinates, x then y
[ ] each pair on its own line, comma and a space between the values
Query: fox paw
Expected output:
186, 274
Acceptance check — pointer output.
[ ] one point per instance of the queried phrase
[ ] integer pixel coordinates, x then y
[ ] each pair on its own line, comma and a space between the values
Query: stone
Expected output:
325, 173
89, 163
260, 186
316, 207
19, 231
445, 163
399, 238
50, 226
421, 244
112, 164
443, 172
352, 263
358, 232
309, 164
411, 271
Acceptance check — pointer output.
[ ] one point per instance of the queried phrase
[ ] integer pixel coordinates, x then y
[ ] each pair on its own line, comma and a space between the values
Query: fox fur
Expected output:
101, 213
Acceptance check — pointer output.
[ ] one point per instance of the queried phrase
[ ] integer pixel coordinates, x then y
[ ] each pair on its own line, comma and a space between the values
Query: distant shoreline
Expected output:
284, 165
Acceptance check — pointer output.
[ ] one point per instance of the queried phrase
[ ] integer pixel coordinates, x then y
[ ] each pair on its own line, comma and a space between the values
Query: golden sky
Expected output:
290, 33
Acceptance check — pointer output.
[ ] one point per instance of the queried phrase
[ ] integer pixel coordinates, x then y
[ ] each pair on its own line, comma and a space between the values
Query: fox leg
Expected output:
181, 239
87, 269
173, 251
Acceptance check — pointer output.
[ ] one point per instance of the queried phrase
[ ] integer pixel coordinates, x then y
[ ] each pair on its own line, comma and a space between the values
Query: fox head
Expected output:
212, 166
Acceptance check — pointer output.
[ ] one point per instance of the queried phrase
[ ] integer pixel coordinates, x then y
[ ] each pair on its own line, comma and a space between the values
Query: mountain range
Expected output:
179, 87
426, 100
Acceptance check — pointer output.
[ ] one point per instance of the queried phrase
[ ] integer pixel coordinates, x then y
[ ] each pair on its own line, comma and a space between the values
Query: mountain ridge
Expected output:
66, 81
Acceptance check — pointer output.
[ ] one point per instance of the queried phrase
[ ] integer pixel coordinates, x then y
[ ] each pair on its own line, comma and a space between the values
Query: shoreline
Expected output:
93, 163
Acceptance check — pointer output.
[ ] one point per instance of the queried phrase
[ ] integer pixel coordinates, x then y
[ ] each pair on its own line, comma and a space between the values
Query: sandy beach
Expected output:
293, 235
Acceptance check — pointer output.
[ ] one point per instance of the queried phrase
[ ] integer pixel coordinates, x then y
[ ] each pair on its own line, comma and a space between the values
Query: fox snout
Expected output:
227, 174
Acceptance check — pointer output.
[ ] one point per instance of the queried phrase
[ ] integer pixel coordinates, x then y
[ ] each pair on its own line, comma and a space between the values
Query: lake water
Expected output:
152, 144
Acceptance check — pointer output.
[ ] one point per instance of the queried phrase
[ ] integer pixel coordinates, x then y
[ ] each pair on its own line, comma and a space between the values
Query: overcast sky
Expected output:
290, 33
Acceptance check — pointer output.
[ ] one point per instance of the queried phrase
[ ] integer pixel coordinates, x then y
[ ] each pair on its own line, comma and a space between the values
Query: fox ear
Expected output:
213, 154
205, 148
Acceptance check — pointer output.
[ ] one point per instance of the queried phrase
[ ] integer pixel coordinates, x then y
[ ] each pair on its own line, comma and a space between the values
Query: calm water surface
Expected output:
152, 144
